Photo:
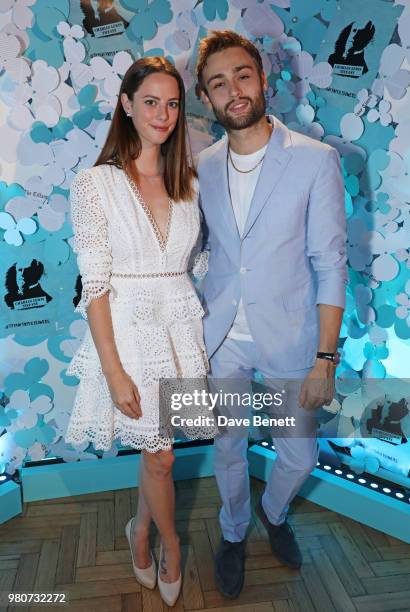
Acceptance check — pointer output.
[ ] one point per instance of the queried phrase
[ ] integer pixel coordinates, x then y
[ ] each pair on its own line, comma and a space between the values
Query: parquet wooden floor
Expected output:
78, 545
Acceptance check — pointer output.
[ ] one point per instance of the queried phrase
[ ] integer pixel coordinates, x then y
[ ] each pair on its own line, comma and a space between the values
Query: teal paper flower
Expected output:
148, 16
34, 370
214, 9
89, 107
45, 41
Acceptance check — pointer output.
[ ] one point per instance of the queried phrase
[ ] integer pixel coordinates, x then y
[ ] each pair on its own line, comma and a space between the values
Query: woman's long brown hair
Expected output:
123, 144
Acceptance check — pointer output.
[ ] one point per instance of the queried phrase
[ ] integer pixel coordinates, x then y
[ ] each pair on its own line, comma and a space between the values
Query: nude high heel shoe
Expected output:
147, 576
169, 590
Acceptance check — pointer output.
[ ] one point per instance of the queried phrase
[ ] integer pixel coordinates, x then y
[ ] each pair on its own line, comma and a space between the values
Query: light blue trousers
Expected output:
296, 456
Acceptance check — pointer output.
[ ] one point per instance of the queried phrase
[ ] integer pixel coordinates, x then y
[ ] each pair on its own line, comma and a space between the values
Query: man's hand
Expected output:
318, 388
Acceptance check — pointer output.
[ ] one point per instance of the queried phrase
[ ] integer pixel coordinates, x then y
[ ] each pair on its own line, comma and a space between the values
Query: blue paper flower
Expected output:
215, 8
34, 370
89, 107
148, 15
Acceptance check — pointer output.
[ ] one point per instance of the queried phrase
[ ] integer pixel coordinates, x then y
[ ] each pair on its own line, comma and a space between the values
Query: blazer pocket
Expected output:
301, 298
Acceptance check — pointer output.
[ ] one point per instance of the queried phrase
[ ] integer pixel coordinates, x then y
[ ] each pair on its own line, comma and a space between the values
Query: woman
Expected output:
136, 219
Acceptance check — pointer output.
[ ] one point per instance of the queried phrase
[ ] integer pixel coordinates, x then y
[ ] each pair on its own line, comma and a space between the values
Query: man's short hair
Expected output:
219, 40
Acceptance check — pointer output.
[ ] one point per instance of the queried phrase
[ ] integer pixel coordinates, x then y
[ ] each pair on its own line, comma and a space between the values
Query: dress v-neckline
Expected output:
162, 240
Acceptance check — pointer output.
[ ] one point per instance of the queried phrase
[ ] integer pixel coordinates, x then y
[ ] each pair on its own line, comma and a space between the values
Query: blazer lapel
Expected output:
219, 178
277, 157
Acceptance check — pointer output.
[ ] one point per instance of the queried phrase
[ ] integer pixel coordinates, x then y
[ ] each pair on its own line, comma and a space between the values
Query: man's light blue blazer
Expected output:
291, 256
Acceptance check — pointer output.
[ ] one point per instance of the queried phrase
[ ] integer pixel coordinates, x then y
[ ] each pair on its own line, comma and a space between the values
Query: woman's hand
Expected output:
124, 393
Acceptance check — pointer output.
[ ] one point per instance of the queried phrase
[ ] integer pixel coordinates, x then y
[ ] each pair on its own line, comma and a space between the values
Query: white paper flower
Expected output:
110, 74
21, 15
259, 19
396, 177
7, 26
382, 113
401, 144
30, 152
364, 296
359, 253
306, 114
351, 128
50, 210
73, 32
391, 76
28, 410
11, 454
378, 335
79, 142
12, 137
17, 67
37, 451
35, 100
63, 160
384, 267
45, 106
403, 299
366, 99
77, 331
74, 52
60, 448
398, 53
403, 255
309, 73
20, 116
14, 231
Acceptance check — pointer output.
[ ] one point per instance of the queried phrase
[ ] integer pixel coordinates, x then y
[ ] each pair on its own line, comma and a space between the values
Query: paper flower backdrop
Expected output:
58, 87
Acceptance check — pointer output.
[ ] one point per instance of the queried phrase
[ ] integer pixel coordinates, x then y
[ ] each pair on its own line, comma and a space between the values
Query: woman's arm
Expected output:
123, 390
91, 243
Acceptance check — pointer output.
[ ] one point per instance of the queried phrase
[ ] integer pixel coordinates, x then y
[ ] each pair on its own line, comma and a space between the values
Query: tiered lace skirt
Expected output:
158, 332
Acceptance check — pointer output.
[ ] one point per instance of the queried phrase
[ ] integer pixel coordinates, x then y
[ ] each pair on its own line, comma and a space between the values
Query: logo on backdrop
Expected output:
24, 287
348, 58
101, 18
353, 45
105, 23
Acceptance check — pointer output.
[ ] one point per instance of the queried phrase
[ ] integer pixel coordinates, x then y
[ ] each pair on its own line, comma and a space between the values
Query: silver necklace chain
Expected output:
244, 171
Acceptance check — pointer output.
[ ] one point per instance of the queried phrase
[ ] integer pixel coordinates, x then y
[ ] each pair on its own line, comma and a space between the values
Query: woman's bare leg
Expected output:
159, 495
141, 526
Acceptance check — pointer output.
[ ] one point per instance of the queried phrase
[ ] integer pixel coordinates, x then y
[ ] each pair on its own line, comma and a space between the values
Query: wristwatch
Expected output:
333, 357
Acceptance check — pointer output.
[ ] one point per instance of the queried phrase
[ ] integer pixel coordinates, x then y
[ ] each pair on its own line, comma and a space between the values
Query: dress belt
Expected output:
146, 275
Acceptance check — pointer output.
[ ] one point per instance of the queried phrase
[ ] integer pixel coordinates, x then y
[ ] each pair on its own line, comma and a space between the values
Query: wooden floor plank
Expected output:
105, 522
300, 597
343, 568
390, 602
67, 554
78, 546
333, 585
386, 584
47, 566
87, 545
351, 549
191, 588
204, 559
316, 589
391, 568
122, 511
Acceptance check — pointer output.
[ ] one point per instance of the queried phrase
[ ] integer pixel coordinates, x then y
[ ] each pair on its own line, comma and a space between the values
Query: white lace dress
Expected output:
155, 310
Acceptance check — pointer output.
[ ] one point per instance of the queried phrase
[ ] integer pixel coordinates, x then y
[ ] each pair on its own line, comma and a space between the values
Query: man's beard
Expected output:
256, 112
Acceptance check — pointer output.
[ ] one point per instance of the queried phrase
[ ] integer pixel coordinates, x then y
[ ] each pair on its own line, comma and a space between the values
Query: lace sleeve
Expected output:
198, 261
90, 239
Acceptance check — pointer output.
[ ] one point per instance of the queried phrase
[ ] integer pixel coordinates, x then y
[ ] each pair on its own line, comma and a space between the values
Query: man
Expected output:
273, 203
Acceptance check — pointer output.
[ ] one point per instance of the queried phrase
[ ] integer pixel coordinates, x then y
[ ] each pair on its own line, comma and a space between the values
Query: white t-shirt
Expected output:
242, 187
